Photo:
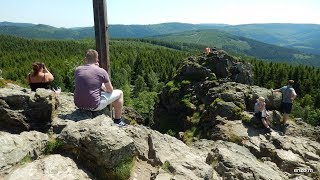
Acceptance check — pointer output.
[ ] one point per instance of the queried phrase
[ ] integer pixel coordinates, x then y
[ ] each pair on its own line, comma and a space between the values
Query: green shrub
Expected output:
195, 118
185, 83
2, 83
170, 84
171, 133
122, 171
187, 103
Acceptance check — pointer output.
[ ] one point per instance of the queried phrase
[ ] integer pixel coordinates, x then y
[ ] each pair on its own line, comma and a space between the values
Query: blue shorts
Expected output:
286, 107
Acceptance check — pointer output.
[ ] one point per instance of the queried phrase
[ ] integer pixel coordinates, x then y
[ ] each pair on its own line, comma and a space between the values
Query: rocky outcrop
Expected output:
50, 167
225, 66
160, 149
14, 148
98, 143
23, 110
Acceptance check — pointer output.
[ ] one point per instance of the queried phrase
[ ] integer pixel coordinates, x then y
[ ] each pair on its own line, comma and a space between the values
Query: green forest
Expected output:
142, 67
139, 69
307, 78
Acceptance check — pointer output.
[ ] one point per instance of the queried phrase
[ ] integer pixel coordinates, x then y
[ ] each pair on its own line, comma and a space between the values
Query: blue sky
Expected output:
79, 13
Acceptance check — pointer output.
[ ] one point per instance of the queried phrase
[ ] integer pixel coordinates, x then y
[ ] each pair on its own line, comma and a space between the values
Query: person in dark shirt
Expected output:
288, 96
40, 77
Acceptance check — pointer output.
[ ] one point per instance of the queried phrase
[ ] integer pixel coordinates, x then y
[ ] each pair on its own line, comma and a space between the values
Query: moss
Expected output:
188, 136
215, 102
187, 103
237, 112
25, 160
166, 166
53, 145
246, 119
242, 106
234, 138
133, 122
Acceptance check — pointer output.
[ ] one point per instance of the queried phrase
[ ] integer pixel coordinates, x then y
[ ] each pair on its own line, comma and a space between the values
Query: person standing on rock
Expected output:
90, 81
260, 112
288, 95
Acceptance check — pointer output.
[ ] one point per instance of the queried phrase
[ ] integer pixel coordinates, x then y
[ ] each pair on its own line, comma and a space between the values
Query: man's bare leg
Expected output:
118, 106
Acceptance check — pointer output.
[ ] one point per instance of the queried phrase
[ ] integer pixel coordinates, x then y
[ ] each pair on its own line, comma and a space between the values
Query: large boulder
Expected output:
98, 143
23, 110
50, 167
273, 100
14, 148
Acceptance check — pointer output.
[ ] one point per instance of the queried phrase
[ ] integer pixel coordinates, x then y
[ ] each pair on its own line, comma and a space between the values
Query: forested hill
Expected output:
242, 45
115, 31
304, 37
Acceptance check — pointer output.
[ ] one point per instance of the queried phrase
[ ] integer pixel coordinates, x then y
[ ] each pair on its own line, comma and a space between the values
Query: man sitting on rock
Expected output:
90, 80
260, 112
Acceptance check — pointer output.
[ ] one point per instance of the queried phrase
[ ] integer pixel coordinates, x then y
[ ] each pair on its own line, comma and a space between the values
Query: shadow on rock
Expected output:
80, 114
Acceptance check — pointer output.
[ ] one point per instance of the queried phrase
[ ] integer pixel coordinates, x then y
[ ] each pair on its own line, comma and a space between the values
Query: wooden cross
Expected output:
102, 37
101, 33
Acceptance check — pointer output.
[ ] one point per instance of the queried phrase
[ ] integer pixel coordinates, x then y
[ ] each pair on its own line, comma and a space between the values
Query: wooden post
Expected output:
101, 33
102, 37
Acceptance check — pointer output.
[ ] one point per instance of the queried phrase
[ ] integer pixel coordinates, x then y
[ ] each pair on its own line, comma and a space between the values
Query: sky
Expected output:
79, 13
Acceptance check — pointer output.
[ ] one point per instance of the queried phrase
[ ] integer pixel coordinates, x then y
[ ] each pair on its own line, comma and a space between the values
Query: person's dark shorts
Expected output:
286, 107
258, 115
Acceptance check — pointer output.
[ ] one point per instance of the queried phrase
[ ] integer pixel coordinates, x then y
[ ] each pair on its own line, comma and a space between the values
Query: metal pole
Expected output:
101, 33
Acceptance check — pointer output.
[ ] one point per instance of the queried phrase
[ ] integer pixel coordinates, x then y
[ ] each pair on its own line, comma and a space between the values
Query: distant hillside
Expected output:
41, 31
300, 37
5, 23
242, 45
115, 31
304, 37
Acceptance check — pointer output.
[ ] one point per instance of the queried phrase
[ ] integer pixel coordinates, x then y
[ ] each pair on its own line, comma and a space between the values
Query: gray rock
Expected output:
22, 110
273, 100
236, 162
158, 148
51, 167
16, 147
98, 143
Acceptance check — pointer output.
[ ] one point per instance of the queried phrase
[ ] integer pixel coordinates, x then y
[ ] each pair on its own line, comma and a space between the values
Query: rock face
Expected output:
50, 167
98, 143
160, 149
185, 104
14, 148
23, 110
